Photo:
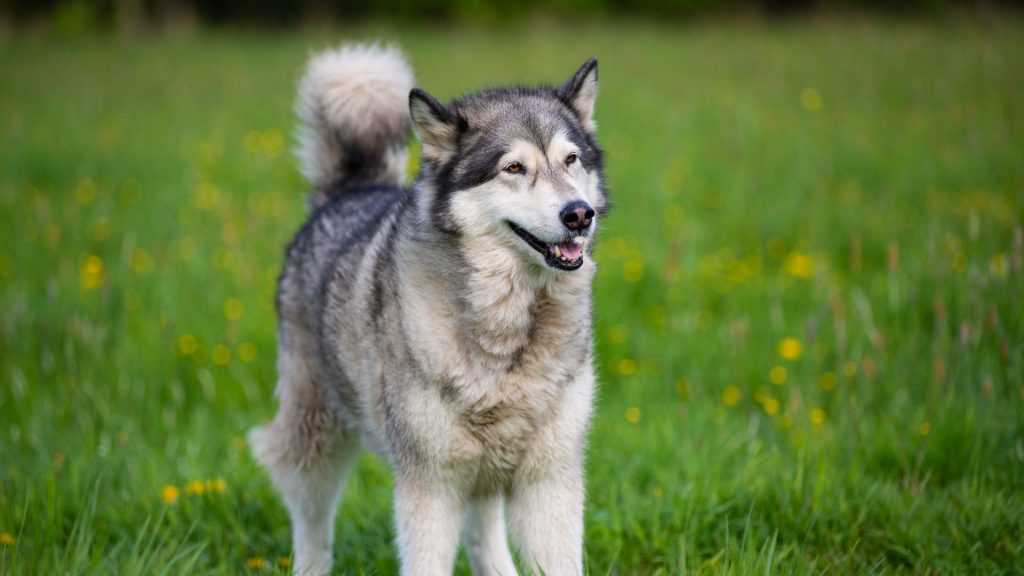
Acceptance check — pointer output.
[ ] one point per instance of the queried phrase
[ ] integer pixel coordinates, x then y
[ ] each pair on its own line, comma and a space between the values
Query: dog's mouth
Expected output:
566, 255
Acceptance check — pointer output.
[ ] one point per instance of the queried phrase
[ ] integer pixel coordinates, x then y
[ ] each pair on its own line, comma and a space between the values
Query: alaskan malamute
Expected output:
445, 325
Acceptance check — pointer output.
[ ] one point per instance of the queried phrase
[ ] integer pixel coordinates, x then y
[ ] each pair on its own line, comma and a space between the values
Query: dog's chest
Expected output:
498, 413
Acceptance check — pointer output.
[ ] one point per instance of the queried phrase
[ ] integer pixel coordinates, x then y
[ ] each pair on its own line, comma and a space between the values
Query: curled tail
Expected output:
354, 106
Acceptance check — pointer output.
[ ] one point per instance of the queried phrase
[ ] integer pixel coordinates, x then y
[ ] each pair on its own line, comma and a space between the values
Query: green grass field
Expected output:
810, 320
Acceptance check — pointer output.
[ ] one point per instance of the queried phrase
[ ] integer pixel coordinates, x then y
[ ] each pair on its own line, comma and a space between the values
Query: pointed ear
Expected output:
436, 125
580, 92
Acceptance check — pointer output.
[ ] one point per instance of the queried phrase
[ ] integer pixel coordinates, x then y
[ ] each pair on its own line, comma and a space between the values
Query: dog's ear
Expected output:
437, 126
580, 92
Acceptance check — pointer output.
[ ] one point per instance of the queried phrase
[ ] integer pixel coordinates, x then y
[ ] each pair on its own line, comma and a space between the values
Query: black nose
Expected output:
577, 215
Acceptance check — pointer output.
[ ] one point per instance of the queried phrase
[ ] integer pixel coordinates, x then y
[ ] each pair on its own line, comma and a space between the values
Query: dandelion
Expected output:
632, 415
829, 380
850, 369
633, 271
85, 191
216, 486
731, 396
998, 265
284, 562
246, 352
810, 99
7, 539
798, 265
187, 344
195, 488
790, 348
233, 309
221, 354
771, 405
207, 196
272, 142
683, 387
618, 333
239, 443
92, 272
170, 494
658, 492
627, 366
926, 428
777, 375
255, 563
817, 416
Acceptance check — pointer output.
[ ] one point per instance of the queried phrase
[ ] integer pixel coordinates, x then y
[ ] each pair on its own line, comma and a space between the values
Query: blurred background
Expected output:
809, 321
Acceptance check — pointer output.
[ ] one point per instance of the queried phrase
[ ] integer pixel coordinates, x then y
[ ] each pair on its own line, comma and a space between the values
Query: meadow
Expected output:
810, 323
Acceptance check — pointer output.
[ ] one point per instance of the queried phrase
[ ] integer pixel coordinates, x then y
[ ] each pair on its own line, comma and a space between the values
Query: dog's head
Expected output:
516, 172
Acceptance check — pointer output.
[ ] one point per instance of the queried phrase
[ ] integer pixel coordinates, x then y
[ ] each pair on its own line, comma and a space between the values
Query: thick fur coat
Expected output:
445, 326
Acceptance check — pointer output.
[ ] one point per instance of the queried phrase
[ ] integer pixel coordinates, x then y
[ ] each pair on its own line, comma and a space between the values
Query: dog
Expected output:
446, 325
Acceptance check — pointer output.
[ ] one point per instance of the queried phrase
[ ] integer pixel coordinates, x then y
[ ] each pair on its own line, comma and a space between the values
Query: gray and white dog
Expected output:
446, 325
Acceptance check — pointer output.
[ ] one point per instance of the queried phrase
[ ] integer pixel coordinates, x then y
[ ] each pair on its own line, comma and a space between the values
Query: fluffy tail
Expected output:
354, 107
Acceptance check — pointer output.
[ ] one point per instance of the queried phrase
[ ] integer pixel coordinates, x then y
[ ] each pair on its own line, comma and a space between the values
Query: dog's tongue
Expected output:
570, 250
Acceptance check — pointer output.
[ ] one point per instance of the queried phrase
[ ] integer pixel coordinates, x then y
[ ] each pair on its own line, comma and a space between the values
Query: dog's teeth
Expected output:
557, 251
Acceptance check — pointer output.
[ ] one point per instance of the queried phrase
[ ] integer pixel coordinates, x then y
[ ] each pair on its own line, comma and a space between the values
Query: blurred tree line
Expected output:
107, 14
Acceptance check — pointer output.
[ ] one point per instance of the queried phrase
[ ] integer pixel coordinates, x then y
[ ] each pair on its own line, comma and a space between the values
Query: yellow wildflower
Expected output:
850, 369
85, 191
777, 375
216, 486
627, 366
170, 494
817, 416
92, 272
246, 352
828, 380
633, 415
233, 309
810, 99
187, 344
284, 562
771, 405
998, 265
683, 387
7, 539
195, 488
255, 562
799, 265
731, 395
221, 354
633, 271
790, 348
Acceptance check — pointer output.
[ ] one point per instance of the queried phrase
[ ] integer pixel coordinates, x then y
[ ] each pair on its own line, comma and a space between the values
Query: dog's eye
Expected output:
570, 159
515, 168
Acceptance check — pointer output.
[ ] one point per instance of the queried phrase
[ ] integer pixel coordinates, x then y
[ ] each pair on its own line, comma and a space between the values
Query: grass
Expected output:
809, 317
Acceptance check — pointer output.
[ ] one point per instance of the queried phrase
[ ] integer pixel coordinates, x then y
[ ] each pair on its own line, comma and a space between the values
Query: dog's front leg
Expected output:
546, 517
428, 517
